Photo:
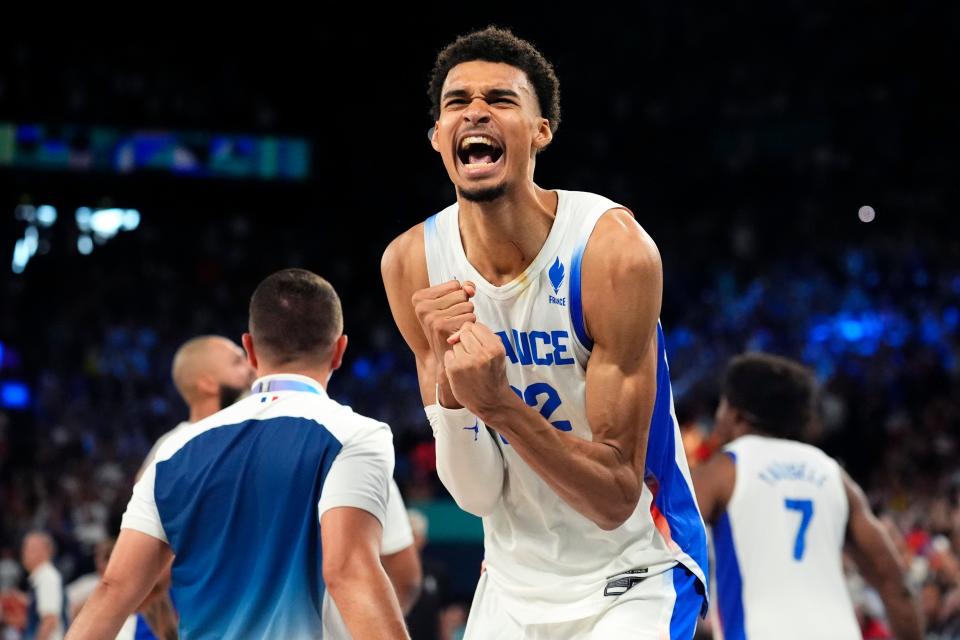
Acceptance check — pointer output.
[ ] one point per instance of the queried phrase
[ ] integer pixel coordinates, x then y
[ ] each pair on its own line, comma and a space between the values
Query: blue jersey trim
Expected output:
673, 497
729, 580
688, 604
576, 298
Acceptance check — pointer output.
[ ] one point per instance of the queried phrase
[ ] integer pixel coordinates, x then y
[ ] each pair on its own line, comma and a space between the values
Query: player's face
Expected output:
31, 554
234, 374
239, 371
489, 129
724, 424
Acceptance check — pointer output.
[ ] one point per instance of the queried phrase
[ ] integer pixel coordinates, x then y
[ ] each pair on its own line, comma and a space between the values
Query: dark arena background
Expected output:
795, 164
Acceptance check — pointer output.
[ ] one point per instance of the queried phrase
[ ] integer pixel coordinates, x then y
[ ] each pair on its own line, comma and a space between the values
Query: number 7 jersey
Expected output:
779, 544
549, 562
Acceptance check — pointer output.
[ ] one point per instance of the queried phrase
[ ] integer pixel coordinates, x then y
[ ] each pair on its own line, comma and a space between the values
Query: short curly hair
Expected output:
494, 44
778, 396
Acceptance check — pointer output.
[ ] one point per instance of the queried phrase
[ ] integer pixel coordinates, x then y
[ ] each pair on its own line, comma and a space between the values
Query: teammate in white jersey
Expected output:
210, 373
533, 317
235, 498
782, 513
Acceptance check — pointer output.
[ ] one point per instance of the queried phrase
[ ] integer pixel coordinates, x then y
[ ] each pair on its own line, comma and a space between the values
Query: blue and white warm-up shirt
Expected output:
238, 496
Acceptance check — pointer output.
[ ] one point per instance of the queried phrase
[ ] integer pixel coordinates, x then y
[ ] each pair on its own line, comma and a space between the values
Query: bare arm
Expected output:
876, 557
354, 576
603, 478
426, 316
157, 609
405, 573
404, 271
48, 625
713, 482
135, 565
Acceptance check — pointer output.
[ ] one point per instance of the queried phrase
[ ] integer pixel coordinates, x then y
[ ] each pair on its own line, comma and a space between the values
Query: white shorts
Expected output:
661, 607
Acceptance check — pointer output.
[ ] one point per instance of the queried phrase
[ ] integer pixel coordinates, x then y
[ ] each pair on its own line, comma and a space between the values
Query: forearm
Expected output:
408, 592
902, 608
469, 462
368, 605
103, 614
406, 575
160, 616
47, 626
592, 477
873, 550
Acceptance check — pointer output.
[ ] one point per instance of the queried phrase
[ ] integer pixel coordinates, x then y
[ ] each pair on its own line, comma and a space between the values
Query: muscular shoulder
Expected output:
619, 249
621, 270
405, 257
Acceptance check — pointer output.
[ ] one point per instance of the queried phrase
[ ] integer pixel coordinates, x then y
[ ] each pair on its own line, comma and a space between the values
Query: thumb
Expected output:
470, 288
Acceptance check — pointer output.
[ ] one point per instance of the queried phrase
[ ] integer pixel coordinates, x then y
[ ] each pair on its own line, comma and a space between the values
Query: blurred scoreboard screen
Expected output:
126, 151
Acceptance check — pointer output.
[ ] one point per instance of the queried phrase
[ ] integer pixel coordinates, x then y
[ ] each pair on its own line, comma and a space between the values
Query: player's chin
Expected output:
483, 184
486, 191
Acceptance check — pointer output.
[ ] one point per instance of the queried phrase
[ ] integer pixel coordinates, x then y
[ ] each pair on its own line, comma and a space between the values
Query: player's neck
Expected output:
203, 408
501, 238
320, 375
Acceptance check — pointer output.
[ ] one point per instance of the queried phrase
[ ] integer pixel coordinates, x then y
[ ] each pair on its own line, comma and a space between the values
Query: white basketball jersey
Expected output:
550, 562
778, 546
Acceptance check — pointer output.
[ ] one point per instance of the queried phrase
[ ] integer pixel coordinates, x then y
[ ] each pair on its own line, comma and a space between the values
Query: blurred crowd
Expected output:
878, 326
745, 141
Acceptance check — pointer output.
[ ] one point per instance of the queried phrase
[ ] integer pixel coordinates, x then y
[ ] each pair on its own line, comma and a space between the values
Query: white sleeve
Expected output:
142, 514
152, 454
397, 533
359, 476
129, 629
49, 595
469, 461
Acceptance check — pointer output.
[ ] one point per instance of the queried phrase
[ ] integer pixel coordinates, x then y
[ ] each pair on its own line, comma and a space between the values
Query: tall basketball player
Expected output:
533, 317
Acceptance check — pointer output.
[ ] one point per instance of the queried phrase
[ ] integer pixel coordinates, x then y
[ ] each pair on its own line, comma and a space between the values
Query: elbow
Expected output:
609, 523
474, 497
118, 591
618, 512
338, 574
480, 506
335, 579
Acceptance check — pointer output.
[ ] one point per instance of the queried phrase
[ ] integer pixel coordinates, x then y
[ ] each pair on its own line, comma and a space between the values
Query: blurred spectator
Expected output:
47, 614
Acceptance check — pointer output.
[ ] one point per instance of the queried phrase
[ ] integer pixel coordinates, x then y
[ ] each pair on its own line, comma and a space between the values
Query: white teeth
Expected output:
466, 142
479, 165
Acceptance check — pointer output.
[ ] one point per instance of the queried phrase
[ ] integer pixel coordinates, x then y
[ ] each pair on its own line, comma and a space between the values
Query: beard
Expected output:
486, 194
229, 395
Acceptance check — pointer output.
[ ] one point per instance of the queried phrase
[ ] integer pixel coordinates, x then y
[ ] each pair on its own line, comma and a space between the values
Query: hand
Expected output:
477, 371
442, 310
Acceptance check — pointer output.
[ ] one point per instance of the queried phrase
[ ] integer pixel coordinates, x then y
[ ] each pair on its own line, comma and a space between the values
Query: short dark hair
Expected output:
294, 315
499, 45
777, 396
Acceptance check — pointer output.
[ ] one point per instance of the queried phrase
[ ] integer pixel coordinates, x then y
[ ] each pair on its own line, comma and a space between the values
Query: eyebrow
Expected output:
492, 93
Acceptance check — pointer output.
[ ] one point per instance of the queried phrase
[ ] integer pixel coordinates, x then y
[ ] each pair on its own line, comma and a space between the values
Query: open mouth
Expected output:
478, 152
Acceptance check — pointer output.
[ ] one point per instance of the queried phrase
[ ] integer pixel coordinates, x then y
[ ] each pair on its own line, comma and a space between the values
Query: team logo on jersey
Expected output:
556, 279
475, 428
556, 275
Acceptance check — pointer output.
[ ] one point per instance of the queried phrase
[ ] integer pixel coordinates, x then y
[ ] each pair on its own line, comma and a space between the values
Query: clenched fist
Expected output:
476, 368
442, 310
